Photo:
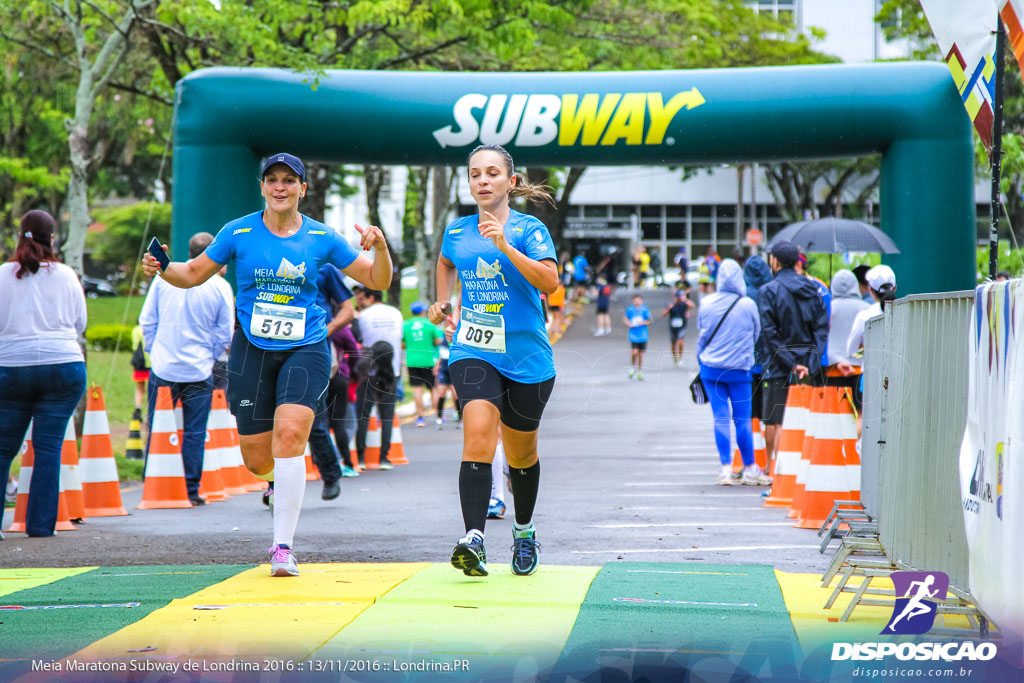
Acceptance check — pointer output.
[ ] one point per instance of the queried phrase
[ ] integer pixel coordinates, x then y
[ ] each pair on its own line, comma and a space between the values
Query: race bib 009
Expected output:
482, 331
276, 321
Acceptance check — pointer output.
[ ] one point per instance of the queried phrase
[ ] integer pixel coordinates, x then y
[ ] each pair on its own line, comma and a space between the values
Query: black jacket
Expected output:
794, 324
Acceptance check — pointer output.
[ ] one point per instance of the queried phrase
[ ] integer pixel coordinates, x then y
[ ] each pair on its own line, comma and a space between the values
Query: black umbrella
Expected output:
830, 235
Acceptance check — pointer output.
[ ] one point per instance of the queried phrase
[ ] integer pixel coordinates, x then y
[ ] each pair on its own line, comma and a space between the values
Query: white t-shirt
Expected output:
41, 316
381, 322
856, 339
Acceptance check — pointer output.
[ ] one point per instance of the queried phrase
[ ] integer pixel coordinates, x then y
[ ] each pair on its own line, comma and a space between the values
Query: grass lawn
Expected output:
110, 310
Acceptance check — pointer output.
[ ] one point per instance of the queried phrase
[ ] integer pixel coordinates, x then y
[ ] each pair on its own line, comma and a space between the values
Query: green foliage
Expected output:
129, 470
118, 392
109, 337
1010, 260
126, 233
824, 266
114, 310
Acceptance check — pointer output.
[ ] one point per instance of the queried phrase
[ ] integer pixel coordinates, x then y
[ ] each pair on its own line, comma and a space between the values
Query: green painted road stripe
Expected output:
498, 624
675, 615
14, 580
51, 634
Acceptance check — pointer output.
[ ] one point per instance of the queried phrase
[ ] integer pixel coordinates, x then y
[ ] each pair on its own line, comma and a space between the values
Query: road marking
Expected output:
687, 602
720, 549
150, 574
685, 524
116, 604
664, 571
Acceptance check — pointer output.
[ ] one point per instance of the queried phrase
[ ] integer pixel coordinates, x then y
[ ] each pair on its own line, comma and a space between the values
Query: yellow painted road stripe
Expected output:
254, 615
500, 623
14, 580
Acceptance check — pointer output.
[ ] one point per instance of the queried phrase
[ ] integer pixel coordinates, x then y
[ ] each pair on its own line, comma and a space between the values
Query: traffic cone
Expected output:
371, 458
760, 449
312, 473
70, 476
816, 417
397, 453
100, 482
220, 443
211, 483
790, 439
850, 452
165, 474
828, 478
24, 487
133, 447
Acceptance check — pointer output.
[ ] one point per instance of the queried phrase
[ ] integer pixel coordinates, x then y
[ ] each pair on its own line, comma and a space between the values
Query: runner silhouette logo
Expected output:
914, 612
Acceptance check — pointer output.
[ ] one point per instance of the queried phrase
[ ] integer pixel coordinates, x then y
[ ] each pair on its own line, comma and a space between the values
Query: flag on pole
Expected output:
965, 32
1012, 12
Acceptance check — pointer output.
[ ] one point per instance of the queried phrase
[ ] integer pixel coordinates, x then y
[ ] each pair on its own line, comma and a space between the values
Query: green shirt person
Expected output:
420, 339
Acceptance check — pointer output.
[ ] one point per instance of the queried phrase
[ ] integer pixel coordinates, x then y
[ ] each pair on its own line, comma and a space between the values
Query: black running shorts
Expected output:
639, 346
421, 377
775, 392
260, 380
520, 405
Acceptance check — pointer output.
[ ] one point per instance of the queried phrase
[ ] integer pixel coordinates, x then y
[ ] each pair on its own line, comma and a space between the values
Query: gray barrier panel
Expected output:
921, 391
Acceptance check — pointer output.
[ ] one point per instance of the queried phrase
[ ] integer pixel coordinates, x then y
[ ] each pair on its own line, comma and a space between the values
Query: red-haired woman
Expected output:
42, 370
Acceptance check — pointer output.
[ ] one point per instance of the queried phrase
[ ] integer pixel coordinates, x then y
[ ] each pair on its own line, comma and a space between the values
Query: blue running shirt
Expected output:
636, 314
502, 321
277, 278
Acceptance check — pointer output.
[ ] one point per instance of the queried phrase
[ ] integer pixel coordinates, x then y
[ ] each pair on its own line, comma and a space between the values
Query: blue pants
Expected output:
47, 395
721, 394
195, 400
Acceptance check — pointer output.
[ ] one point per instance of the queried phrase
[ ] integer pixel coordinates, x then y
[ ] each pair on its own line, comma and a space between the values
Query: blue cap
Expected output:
289, 160
417, 307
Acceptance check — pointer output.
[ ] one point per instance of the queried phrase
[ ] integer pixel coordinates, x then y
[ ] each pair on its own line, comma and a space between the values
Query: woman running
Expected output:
279, 362
501, 362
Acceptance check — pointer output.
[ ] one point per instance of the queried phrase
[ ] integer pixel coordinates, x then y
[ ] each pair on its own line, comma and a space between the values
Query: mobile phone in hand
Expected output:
157, 251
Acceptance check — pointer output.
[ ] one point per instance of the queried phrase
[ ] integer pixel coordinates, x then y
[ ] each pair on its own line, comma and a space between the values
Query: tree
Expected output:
794, 185
126, 233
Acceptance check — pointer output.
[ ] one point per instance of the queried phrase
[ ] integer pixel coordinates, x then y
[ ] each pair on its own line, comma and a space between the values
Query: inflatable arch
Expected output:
228, 118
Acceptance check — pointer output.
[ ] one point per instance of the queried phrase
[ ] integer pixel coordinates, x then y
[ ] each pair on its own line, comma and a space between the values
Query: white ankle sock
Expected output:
726, 470
289, 488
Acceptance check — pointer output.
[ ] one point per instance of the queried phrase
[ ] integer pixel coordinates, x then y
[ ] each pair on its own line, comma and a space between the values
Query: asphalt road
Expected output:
627, 474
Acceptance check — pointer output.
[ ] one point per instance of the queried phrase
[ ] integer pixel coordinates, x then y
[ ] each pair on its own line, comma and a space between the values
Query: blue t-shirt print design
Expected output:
495, 294
634, 313
280, 273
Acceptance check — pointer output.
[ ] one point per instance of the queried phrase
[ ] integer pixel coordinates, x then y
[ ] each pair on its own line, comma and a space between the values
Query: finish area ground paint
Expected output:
417, 621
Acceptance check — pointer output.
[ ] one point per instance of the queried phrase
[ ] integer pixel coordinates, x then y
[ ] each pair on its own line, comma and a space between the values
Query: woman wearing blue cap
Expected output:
279, 362
501, 361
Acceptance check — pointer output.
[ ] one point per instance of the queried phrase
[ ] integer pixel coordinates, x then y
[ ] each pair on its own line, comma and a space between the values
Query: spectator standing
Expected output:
378, 322
556, 304
794, 323
637, 318
846, 305
729, 325
645, 267
42, 368
756, 274
580, 267
823, 291
140, 366
861, 272
420, 339
681, 263
346, 351
185, 331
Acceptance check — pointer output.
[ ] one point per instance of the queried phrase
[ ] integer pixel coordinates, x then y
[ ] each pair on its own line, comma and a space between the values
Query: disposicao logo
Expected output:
914, 613
638, 118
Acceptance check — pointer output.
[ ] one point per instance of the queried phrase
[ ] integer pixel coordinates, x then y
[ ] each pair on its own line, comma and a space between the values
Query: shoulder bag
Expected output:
697, 391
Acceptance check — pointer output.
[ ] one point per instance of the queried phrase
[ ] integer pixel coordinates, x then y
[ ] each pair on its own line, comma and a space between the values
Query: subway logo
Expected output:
637, 118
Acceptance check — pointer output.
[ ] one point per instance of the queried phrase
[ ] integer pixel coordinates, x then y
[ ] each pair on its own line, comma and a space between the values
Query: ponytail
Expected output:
35, 242
535, 194
886, 294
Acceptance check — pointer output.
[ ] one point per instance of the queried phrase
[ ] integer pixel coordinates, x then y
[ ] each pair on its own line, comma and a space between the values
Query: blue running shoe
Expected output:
469, 555
347, 471
524, 552
496, 509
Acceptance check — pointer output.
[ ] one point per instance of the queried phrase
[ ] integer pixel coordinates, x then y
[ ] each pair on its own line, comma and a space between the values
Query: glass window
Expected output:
675, 211
595, 211
700, 211
725, 211
623, 210
675, 230
650, 211
651, 230
701, 231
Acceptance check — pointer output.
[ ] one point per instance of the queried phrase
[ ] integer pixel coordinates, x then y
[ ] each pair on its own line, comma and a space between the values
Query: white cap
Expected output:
880, 275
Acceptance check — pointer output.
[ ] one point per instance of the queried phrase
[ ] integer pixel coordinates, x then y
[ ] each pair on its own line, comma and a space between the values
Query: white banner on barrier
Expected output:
991, 467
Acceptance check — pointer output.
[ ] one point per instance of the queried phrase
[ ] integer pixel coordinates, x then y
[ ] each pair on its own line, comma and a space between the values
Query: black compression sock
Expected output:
440, 407
475, 493
525, 483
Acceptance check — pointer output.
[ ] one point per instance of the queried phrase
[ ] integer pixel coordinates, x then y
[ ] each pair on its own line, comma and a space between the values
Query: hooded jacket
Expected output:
732, 348
756, 274
846, 304
794, 322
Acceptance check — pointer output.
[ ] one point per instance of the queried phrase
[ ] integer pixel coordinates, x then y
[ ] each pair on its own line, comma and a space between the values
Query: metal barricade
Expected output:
915, 410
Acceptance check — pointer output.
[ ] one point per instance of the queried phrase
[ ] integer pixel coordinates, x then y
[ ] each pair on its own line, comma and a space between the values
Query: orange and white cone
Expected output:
221, 445
815, 420
396, 456
211, 483
165, 473
24, 490
100, 482
70, 476
371, 458
312, 473
791, 438
828, 478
